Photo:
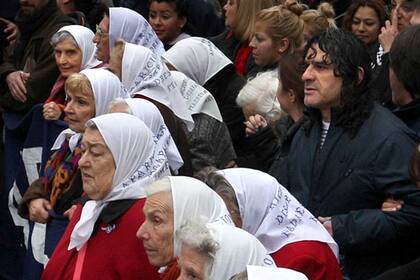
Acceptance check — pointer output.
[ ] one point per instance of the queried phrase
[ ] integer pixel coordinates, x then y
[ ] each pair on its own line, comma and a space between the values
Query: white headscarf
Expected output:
237, 249
198, 99
263, 273
194, 200
150, 115
138, 162
130, 26
144, 72
196, 57
271, 213
84, 39
106, 87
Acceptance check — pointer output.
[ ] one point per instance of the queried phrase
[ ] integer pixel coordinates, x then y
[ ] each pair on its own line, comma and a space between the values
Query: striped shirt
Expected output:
324, 132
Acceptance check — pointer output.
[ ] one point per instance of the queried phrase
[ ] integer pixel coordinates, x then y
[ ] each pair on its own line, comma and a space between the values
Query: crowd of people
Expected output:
210, 139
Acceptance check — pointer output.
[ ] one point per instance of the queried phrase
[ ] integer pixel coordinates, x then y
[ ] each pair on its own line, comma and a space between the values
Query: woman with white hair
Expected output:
290, 233
150, 115
74, 52
48, 202
216, 251
145, 76
119, 158
258, 96
170, 202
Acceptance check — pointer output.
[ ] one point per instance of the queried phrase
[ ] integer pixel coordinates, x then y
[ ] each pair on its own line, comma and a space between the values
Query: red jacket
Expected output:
117, 254
314, 259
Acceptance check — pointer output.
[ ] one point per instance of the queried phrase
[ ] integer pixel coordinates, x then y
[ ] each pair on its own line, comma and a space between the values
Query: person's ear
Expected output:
283, 45
183, 21
292, 96
360, 75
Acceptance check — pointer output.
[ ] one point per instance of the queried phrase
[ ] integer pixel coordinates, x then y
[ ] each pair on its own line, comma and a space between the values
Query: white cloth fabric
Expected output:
84, 39
130, 26
150, 115
180, 37
197, 98
271, 213
106, 87
263, 273
196, 57
143, 72
138, 162
237, 249
194, 200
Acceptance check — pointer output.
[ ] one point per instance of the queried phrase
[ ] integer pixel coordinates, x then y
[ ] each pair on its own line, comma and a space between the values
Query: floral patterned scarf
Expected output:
60, 170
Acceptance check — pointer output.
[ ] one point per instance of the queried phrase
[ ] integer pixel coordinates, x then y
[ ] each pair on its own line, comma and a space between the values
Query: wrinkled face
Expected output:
322, 87
68, 57
101, 40
80, 107
158, 228
264, 51
230, 8
365, 25
192, 264
165, 21
96, 165
30, 7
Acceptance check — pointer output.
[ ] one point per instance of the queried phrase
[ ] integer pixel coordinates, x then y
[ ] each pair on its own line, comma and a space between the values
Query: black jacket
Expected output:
349, 178
410, 115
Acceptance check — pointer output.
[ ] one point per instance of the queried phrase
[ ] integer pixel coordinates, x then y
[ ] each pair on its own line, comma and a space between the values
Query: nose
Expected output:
82, 161
95, 39
307, 75
361, 27
142, 233
68, 110
252, 43
225, 7
62, 58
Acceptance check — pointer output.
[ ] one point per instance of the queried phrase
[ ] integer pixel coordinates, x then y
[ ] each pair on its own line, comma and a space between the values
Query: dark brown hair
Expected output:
377, 5
290, 74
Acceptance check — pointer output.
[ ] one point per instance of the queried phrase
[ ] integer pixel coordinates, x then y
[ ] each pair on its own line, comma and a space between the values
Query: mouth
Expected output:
309, 90
86, 176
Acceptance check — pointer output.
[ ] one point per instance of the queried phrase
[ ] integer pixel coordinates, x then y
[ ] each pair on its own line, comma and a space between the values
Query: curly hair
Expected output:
347, 54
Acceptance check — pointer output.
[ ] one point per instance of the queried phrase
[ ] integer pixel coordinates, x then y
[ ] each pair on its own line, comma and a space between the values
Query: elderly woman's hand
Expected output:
38, 210
254, 124
52, 111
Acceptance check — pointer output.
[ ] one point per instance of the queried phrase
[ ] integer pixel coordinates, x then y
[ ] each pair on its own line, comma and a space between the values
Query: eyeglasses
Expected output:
99, 32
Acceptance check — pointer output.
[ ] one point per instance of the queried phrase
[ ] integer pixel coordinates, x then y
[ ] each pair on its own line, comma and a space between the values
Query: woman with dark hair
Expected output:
364, 18
271, 145
168, 19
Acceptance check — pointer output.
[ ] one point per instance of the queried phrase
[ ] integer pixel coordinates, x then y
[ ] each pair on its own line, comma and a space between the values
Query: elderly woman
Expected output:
74, 51
49, 197
258, 96
208, 125
217, 251
254, 272
261, 206
170, 202
119, 157
205, 64
126, 24
150, 115
145, 76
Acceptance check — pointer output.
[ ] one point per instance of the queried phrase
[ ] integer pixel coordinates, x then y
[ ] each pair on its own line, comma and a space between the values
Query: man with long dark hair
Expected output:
349, 156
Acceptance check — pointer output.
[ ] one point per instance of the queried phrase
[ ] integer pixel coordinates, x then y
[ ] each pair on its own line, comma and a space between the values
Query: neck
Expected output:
296, 114
326, 114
